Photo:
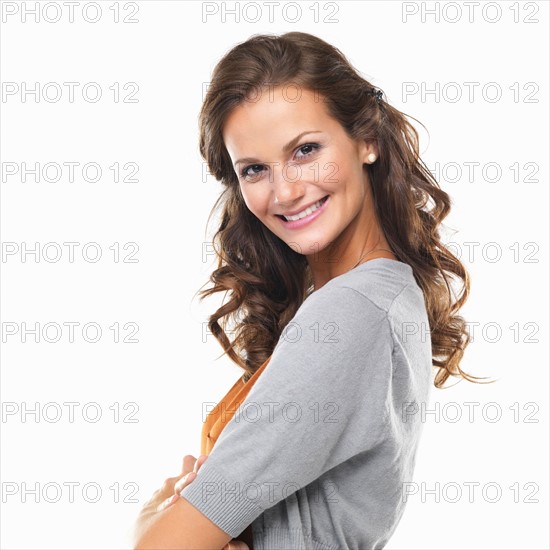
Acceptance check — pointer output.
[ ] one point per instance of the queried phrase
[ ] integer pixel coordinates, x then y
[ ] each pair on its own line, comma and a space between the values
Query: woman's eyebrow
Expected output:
286, 148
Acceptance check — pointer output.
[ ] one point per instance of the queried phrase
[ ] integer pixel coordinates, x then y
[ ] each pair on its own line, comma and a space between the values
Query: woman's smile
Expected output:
312, 213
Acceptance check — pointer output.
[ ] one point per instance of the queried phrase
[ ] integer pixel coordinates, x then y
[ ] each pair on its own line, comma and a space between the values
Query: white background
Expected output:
173, 370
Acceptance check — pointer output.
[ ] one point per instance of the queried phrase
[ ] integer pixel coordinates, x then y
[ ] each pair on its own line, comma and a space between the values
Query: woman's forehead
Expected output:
274, 115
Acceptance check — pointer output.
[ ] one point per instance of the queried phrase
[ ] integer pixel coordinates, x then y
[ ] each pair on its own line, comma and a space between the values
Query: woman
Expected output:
340, 286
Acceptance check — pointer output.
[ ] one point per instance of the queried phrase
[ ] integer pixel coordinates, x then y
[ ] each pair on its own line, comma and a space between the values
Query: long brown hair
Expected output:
268, 280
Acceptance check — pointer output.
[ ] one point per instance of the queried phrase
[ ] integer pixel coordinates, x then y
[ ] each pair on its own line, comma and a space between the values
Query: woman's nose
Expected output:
287, 184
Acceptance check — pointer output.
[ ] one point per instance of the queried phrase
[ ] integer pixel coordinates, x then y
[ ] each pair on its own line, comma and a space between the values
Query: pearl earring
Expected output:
371, 158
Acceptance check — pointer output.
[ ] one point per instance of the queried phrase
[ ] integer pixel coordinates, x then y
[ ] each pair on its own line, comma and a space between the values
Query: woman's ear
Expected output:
368, 148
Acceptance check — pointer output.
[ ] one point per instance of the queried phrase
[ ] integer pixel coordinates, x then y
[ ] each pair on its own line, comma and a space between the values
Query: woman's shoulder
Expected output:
382, 281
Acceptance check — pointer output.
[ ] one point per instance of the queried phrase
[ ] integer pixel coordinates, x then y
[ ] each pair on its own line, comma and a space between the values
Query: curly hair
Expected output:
269, 280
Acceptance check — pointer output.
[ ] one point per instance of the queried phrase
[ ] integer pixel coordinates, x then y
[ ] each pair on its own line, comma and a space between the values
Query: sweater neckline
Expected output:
387, 261
405, 270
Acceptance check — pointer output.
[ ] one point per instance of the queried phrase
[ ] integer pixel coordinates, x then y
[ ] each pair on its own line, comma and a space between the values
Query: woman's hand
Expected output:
156, 503
190, 468
235, 544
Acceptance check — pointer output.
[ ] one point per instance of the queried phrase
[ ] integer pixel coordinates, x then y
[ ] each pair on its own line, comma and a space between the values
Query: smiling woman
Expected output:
341, 299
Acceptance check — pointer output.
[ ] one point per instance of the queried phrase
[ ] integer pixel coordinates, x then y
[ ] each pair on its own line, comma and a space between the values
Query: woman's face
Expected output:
288, 154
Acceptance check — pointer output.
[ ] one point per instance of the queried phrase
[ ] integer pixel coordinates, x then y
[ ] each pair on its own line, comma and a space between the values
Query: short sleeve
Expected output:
321, 400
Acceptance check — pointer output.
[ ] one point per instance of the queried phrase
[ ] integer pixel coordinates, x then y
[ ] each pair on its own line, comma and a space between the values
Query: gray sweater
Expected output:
317, 454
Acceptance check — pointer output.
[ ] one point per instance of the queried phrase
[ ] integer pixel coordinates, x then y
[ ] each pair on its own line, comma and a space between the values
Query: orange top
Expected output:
216, 421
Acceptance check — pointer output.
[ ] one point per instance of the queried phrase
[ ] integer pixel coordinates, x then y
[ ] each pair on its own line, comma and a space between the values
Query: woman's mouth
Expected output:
306, 216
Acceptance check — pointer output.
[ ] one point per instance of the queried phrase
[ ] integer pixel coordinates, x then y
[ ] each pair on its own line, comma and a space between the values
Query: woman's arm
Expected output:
244, 541
322, 400
180, 526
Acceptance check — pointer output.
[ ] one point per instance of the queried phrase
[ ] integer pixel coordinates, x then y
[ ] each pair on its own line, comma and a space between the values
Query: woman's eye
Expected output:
246, 174
309, 148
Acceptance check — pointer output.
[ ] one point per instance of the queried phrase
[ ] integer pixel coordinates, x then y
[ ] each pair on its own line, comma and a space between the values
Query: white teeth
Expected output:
304, 213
